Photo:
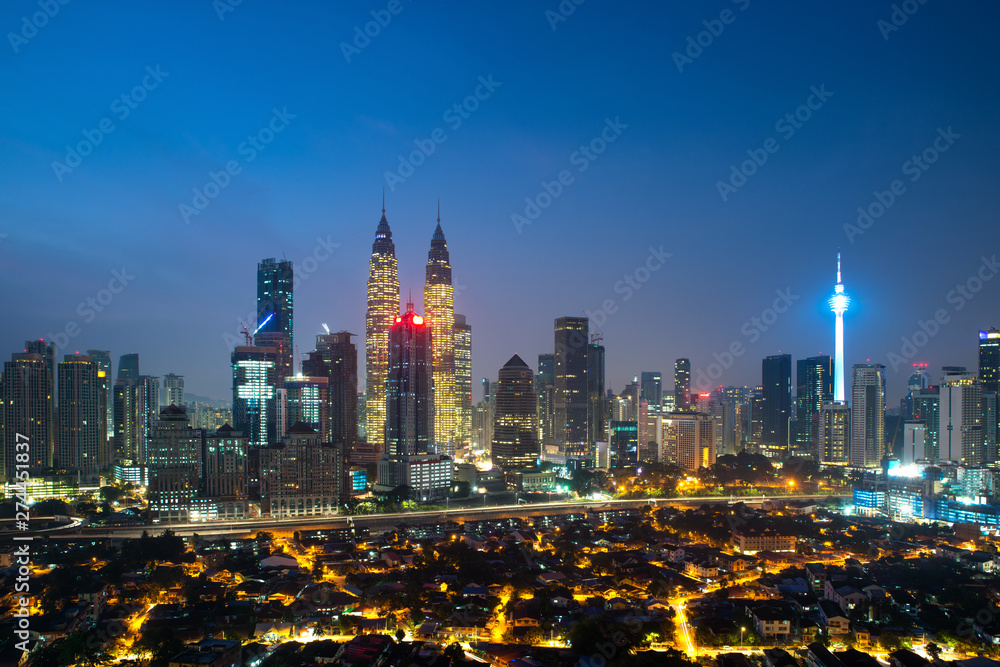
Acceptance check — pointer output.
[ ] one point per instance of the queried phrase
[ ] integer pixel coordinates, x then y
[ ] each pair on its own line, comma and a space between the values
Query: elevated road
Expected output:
374, 522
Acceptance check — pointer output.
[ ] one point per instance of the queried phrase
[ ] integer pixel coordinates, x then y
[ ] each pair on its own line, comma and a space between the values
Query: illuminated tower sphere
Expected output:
383, 307
838, 304
439, 307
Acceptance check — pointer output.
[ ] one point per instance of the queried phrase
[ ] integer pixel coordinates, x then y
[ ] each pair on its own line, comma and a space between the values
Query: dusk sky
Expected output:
346, 110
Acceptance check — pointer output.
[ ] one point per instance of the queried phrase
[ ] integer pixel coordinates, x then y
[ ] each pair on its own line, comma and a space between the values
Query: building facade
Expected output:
383, 309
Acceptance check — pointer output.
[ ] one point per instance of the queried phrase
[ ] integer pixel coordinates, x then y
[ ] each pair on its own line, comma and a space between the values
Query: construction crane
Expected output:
246, 334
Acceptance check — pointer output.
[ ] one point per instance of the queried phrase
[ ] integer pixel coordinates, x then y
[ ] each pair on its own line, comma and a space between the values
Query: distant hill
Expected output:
205, 400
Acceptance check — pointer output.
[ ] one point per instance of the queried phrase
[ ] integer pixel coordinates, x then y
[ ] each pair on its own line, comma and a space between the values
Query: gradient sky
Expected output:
655, 185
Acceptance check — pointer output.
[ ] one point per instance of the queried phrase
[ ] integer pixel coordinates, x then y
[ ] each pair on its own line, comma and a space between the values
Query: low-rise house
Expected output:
772, 621
833, 617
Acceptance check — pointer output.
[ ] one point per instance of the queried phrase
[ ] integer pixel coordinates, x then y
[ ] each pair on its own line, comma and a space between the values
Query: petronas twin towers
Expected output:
452, 427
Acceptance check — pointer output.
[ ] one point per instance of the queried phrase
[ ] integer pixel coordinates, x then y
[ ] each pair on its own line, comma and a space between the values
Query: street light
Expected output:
742, 630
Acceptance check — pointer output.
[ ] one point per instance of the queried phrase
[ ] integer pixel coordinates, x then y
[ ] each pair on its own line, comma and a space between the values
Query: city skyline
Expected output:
668, 145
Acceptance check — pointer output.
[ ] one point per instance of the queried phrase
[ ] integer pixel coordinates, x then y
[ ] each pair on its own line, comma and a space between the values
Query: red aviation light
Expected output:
398, 319
417, 319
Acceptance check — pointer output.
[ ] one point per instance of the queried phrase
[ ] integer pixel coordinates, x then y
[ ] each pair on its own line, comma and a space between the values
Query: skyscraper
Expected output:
917, 381
989, 377
596, 400
545, 383
128, 366
833, 433
383, 308
103, 360
127, 423
960, 435
571, 400
254, 384
173, 389
336, 358
682, 385
868, 415
463, 379
27, 411
275, 281
409, 387
515, 425
688, 440
147, 389
776, 381
306, 401
48, 352
82, 430
838, 304
926, 409
174, 456
408, 460
439, 307
813, 388
652, 387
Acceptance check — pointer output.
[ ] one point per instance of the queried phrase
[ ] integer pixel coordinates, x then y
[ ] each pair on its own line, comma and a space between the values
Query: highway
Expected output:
246, 527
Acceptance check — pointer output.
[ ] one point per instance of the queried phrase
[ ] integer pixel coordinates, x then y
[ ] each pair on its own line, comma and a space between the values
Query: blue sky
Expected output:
318, 184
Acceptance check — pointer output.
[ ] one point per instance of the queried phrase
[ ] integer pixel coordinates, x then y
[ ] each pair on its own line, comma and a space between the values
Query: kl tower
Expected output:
838, 304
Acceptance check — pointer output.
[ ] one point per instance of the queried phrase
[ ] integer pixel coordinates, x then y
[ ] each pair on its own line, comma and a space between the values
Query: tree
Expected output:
933, 650
455, 652
400, 634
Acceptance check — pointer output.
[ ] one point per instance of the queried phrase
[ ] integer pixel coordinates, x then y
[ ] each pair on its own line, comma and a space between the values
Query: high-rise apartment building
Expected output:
173, 389
868, 415
82, 414
26, 390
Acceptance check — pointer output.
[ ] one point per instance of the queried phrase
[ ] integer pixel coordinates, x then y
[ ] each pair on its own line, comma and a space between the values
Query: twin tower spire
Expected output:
439, 313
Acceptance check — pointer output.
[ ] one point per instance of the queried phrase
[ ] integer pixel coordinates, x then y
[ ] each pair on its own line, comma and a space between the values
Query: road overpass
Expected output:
377, 522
